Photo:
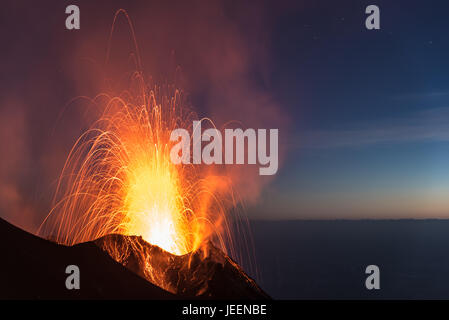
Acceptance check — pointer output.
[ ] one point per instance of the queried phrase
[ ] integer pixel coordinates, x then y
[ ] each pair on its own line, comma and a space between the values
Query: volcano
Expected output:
34, 268
204, 273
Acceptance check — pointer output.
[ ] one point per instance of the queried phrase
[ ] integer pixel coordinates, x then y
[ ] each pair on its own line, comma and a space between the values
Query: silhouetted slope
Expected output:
206, 273
34, 268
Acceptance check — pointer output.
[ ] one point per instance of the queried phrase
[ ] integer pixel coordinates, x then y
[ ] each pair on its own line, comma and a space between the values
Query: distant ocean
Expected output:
327, 259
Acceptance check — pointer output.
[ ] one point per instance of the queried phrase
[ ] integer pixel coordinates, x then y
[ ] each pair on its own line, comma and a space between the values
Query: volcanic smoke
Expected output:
118, 177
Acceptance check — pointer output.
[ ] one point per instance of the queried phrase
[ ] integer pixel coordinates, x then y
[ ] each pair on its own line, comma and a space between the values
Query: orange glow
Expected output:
118, 177
152, 203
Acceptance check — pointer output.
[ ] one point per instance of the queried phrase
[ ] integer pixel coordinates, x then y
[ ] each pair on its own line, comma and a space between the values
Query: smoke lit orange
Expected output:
118, 177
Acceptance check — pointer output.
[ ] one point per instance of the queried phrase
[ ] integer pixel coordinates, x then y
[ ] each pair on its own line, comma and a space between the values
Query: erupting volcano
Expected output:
157, 218
119, 178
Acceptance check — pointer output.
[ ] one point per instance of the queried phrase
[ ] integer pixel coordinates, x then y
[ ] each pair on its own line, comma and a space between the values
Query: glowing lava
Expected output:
153, 205
119, 178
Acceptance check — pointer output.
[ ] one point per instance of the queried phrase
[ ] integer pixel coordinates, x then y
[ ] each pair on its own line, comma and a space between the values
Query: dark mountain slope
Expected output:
34, 268
206, 273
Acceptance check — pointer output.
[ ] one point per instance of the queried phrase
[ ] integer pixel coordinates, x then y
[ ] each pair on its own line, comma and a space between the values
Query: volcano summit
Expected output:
34, 268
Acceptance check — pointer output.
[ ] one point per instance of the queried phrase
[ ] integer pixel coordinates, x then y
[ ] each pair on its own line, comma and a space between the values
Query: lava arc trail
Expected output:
118, 177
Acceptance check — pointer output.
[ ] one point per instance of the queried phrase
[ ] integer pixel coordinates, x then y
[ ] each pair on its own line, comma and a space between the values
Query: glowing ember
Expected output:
153, 204
118, 177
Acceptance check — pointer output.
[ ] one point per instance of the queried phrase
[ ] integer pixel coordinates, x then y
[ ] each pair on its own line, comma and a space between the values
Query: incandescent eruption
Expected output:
118, 179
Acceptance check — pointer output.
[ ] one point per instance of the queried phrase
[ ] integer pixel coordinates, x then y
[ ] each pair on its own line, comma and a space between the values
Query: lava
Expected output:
119, 179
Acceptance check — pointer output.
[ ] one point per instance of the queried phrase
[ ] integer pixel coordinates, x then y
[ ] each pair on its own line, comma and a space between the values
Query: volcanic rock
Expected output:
204, 273
34, 268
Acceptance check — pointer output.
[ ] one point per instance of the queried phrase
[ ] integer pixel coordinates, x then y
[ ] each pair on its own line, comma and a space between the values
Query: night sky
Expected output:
363, 114
370, 112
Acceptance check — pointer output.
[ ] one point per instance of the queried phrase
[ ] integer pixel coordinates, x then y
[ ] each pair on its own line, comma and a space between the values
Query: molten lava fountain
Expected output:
118, 179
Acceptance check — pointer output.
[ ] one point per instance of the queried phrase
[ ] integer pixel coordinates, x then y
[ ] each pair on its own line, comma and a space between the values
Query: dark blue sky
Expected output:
370, 111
